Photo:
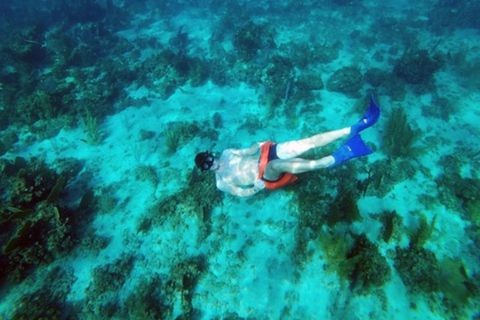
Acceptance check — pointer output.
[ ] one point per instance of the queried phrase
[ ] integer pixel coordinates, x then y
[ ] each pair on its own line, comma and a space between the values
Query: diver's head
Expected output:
204, 160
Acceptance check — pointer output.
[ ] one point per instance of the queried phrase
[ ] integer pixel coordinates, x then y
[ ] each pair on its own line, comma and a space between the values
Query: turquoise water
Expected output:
104, 105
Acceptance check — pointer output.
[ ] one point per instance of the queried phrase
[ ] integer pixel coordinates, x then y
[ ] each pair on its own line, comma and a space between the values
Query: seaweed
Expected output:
335, 248
455, 283
373, 178
57, 189
3, 148
217, 120
391, 223
144, 225
21, 238
94, 136
399, 138
87, 201
343, 209
423, 232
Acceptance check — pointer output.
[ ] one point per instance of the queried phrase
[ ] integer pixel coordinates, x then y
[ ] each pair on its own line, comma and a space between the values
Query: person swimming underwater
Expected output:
244, 172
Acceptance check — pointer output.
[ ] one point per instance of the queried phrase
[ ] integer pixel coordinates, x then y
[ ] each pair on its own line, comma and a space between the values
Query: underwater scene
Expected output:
249, 159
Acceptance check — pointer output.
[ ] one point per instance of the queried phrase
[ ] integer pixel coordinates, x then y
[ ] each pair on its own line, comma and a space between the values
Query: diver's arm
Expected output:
248, 151
236, 191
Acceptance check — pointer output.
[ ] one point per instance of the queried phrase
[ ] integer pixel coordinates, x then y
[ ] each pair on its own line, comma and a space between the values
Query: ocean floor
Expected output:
387, 236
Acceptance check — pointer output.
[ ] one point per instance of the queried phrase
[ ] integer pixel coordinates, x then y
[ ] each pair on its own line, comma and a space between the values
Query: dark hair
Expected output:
202, 162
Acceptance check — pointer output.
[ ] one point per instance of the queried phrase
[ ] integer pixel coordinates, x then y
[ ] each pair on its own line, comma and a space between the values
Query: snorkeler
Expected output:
244, 172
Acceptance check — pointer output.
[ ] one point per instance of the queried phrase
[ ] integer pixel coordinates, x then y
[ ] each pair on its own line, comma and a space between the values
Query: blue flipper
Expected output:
368, 119
354, 148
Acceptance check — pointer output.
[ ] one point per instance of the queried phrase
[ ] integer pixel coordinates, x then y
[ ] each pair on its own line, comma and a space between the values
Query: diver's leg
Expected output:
353, 148
276, 168
292, 149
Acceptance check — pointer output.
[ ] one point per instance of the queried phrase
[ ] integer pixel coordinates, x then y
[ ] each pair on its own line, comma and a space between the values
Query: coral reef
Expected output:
189, 272
376, 76
305, 53
94, 243
418, 269
347, 80
467, 69
385, 174
251, 38
417, 67
386, 82
316, 200
158, 296
310, 80
370, 267
66, 50
276, 75
36, 106
197, 200
149, 300
146, 173
441, 108
422, 273
448, 14
252, 123
359, 262
102, 293
26, 44
49, 300
82, 58
179, 133
395, 88
35, 227
456, 192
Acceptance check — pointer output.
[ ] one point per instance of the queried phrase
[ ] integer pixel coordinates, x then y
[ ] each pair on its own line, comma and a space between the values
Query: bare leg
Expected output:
293, 149
275, 168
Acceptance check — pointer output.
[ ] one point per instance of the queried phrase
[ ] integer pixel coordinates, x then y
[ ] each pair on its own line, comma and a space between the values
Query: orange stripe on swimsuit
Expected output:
285, 179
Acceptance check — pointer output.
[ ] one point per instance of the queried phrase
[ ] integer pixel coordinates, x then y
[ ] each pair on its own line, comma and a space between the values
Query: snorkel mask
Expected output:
204, 160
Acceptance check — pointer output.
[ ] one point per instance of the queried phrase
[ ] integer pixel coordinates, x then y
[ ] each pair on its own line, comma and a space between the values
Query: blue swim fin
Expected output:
354, 148
368, 119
